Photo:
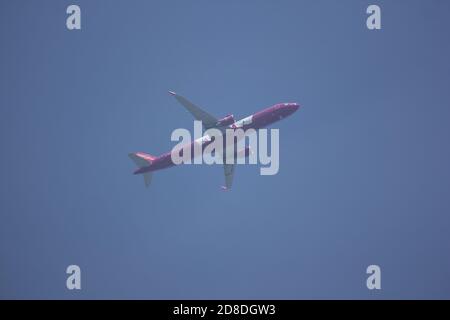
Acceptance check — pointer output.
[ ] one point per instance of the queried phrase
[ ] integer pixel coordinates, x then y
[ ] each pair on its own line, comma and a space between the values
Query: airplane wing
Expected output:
229, 173
208, 120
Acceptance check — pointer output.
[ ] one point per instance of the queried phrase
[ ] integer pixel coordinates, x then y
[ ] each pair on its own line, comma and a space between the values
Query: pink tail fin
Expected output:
145, 156
141, 159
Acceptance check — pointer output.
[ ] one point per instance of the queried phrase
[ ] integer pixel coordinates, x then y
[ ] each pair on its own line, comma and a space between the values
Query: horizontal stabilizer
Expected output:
143, 160
147, 178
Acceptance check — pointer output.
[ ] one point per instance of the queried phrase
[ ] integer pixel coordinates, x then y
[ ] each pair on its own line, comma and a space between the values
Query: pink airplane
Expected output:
148, 163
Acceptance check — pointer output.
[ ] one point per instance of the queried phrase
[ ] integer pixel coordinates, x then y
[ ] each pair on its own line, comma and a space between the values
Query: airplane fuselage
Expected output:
256, 121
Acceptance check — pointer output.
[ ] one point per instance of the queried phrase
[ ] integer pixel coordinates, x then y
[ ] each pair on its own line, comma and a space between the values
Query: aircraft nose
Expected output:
292, 107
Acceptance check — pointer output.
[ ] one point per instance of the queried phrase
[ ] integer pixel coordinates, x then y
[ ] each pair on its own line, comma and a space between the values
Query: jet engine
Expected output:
229, 119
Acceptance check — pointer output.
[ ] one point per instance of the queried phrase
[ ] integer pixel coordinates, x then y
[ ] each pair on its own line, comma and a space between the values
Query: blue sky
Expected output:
364, 176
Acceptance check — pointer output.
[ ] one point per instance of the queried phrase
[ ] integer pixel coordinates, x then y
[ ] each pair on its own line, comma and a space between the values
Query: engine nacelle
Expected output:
229, 119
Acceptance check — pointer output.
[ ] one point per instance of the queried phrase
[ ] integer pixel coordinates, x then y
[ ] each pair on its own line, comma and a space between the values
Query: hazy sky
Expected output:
364, 165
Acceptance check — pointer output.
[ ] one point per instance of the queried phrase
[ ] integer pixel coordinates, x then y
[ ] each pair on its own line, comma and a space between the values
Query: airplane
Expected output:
147, 163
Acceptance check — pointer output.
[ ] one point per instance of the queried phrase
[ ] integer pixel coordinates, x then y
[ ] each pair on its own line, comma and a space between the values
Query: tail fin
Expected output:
142, 160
